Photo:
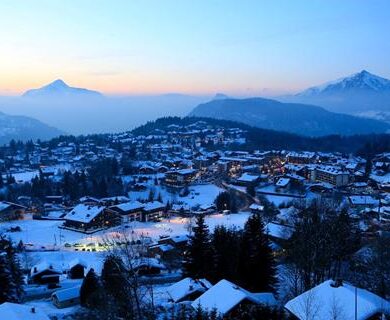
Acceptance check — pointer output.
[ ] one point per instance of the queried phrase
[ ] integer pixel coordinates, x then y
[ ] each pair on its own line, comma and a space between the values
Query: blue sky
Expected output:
236, 47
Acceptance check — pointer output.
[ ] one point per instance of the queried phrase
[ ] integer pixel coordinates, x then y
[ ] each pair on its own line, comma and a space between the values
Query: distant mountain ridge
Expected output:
59, 88
295, 118
362, 93
363, 80
24, 128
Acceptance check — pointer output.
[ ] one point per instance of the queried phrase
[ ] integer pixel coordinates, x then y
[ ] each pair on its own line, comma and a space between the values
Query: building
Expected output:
226, 298
66, 297
129, 211
88, 218
187, 289
301, 157
247, 179
331, 175
335, 297
180, 178
10, 211
44, 273
77, 269
153, 211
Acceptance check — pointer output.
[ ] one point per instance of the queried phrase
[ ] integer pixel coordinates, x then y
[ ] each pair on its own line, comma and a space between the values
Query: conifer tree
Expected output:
89, 289
198, 258
257, 266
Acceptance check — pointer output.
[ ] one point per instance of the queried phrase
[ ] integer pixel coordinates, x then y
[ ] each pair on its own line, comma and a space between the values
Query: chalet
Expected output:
247, 179
87, 218
153, 211
256, 208
15, 311
147, 266
179, 178
179, 242
363, 201
187, 289
44, 273
335, 296
301, 157
66, 297
76, 269
10, 211
163, 251
129, 211
279, 233
226, 298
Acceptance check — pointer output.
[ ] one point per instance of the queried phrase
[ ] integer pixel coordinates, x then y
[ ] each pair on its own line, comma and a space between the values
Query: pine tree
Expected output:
257, 266
8, 292
16, 272
89, 289
198, 258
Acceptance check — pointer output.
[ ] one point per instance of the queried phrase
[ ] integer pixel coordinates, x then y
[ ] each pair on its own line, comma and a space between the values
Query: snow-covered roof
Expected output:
282, 182
14, 311
255, 206
363, 200
4, 205
84, 213
66, 294
224, 296
76, 262
324, 300
129, 206
154, 205
246, 177
179, 290
279, 231
44, 265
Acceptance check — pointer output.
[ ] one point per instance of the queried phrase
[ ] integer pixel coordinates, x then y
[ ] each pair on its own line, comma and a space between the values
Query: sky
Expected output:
196, 47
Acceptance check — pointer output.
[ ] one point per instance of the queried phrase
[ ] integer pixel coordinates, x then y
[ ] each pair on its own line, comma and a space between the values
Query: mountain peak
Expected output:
59, 88
361, 81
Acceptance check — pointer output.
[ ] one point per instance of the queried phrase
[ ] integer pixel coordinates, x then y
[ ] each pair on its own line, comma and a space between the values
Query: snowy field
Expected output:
47, 233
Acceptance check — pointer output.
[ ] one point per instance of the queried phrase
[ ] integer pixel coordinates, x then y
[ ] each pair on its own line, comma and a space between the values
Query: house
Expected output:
15, 311
44, 273
164, 251
88, 218
179, 178
66, 297
279, 233
77, 269
363, 201
147, 266
226, 298
339, 297
10, 211
247, 179
129, 211
187, 289
256, 208
153, 211
282, 183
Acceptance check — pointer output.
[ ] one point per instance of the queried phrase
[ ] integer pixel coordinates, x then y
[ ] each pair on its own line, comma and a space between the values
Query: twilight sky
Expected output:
243, 47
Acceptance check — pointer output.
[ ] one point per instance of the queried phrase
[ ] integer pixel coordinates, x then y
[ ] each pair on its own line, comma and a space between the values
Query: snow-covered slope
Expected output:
59, 88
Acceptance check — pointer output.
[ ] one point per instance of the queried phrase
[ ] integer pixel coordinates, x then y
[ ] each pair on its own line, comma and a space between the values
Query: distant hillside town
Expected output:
195, 218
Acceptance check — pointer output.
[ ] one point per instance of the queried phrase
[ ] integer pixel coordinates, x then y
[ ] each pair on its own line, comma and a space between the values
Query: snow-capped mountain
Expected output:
360, 94
360, 81
24, 128
59, 88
